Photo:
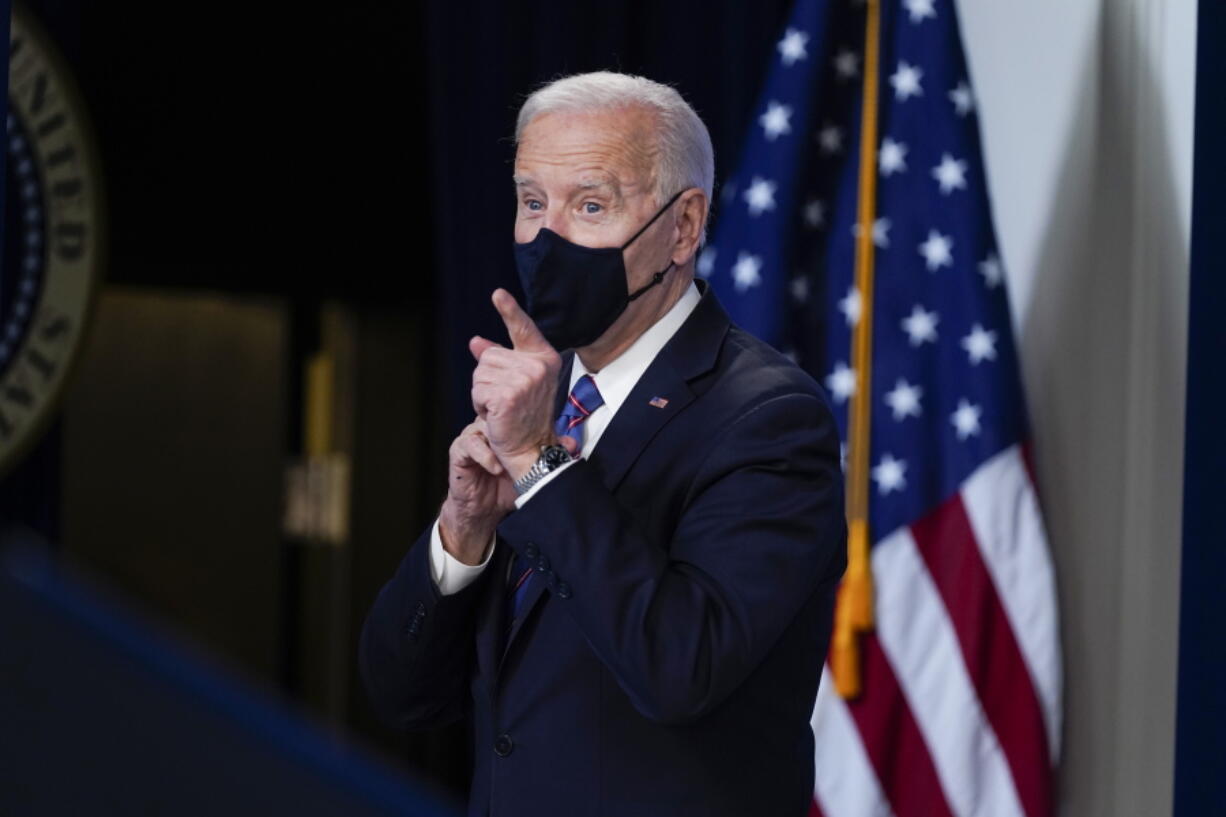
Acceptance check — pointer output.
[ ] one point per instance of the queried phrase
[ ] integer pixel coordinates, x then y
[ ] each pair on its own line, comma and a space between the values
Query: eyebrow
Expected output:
596, 184
584, 184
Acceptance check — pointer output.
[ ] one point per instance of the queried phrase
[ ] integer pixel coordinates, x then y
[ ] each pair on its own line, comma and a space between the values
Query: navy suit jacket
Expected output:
675, 626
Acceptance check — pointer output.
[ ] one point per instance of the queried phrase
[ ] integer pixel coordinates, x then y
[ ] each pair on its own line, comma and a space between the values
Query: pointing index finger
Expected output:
525, 336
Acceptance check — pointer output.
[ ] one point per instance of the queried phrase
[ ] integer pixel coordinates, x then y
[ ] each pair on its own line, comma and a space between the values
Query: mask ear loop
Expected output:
659, 276
655, 279
659, 213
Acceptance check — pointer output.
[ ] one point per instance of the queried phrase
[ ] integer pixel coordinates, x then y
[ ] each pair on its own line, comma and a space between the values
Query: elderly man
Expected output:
629, 587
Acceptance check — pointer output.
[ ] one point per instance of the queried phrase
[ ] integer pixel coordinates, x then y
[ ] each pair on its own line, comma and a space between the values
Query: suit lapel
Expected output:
638, 421
690, 353
663, 391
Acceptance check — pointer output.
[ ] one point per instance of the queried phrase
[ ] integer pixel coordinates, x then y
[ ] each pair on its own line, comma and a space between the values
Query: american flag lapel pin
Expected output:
658, 402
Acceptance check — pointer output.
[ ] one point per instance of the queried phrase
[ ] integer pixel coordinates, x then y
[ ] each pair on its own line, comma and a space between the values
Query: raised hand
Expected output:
513, 389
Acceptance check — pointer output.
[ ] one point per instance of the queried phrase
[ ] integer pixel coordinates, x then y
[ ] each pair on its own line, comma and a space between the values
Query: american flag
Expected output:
960, 701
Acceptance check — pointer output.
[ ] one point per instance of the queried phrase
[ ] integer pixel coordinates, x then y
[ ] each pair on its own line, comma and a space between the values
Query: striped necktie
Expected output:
583, 399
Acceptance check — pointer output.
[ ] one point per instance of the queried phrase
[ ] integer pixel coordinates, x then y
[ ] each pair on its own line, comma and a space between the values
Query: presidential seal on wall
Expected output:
53, 236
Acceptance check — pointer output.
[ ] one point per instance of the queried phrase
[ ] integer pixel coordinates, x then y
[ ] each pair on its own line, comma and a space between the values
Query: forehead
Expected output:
592, 147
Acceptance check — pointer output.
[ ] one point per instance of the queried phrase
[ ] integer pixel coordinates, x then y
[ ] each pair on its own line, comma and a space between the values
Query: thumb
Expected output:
571, 445
477, 345
525, 337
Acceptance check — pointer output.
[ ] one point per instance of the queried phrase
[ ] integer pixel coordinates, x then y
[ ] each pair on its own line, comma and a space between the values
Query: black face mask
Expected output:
575, 293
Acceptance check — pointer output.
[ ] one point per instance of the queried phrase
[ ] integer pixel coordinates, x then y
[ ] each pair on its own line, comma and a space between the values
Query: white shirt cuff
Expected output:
524, 497
450, 574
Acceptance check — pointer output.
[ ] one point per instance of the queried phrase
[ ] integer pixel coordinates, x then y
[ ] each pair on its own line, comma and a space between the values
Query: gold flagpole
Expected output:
854, 611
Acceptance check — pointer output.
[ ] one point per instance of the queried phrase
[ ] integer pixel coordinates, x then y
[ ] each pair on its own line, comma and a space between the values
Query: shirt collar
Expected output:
618, 377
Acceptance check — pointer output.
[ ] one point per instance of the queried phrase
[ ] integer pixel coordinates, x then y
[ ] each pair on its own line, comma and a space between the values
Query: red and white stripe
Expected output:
960, 713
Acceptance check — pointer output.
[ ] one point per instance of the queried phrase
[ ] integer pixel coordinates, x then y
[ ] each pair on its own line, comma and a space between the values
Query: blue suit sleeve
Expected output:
682, 623
416, 649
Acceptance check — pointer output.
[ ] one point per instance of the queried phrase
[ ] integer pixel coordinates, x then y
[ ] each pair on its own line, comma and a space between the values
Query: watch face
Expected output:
555, 455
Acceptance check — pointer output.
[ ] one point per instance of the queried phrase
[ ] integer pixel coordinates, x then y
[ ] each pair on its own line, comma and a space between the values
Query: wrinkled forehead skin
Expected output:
617, 147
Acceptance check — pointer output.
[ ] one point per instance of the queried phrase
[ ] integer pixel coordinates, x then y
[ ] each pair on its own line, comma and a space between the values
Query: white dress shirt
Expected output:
614, 382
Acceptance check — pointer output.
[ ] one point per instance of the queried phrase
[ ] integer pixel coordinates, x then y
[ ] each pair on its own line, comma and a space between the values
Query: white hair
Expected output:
684, 155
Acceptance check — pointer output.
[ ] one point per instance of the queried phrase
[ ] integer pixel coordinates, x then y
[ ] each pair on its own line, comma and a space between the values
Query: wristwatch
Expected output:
552, 458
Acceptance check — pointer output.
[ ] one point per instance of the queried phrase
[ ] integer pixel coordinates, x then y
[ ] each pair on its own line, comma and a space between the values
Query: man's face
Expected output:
588, 177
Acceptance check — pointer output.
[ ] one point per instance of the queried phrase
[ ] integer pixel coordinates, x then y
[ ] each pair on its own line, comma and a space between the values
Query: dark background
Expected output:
1201, 719
260, 163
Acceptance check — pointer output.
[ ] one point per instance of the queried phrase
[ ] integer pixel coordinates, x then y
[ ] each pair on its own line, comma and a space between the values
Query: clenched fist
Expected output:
513, 389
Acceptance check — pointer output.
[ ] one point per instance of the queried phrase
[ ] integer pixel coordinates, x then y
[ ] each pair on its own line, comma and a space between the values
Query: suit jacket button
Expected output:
542, 563
503, 745
421, 609
563, 590
530, 551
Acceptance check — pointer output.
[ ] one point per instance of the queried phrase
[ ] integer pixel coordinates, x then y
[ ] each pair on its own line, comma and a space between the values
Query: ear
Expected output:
692, 209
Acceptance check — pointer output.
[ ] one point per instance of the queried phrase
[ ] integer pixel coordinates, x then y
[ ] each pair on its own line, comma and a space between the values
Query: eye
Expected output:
534, 205
592, 208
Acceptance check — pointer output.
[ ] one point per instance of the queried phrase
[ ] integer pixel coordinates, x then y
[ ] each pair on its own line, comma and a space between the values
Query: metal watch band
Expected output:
543, 466
534, 475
